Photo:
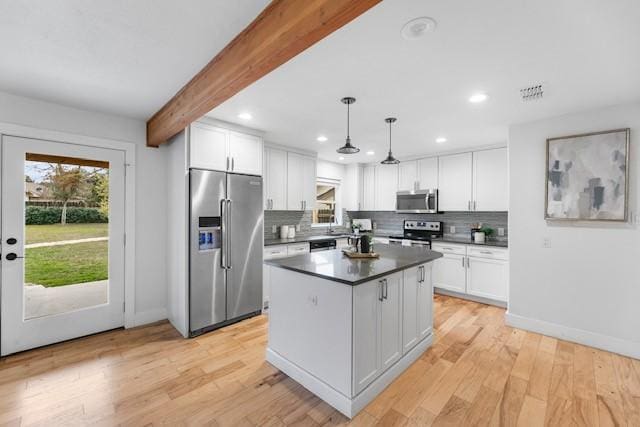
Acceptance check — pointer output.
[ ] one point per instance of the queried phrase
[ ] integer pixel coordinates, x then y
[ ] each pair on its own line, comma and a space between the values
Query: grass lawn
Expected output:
58, 232
67, 264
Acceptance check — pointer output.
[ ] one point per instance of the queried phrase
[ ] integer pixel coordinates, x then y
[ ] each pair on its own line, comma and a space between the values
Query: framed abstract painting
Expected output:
587, 177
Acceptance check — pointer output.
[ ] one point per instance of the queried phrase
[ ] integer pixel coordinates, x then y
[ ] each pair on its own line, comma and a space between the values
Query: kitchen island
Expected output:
345, 328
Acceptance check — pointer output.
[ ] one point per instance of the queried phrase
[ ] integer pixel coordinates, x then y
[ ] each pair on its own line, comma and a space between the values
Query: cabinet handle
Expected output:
381, 293
486, 252
462, 262
446, 249
232, 163
386, 289
469, 205
474, 205
424, 275
227, 163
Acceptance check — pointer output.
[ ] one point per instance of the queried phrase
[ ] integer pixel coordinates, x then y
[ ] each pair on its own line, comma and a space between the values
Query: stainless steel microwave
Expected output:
417, 201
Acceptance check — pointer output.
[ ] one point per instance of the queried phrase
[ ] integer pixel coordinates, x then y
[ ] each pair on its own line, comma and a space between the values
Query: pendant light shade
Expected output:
390, 160
347, 148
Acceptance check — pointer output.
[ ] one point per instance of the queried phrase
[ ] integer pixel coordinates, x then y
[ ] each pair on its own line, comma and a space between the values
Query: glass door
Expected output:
62, 242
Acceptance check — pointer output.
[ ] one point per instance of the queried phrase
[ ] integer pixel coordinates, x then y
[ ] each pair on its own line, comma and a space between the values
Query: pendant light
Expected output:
390, 160
348, 148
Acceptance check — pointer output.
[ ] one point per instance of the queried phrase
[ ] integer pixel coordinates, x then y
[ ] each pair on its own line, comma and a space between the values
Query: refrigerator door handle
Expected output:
228, 218
223, 224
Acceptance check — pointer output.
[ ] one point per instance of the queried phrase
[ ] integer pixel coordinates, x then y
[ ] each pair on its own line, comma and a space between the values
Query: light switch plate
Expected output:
546, 242
297, 227
452, 229
500, 231
274, 229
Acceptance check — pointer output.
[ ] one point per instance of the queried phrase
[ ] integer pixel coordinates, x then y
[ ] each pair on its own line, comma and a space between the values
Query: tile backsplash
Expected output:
388, 222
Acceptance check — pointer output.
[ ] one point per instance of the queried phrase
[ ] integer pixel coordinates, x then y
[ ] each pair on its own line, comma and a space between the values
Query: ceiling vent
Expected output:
532, 93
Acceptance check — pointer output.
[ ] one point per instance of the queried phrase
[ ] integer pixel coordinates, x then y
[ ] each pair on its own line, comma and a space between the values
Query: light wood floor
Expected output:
478, 372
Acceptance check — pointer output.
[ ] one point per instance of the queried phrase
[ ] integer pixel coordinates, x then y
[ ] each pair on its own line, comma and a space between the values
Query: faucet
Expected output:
331, 219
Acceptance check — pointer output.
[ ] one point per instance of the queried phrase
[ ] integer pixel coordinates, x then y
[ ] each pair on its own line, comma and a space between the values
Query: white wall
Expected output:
586, 286
151, 202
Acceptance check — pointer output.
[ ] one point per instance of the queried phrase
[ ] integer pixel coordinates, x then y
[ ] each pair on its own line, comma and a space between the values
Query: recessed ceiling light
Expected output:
245, 116
441, 139
477, 98
370, 153
322, 138
417, 28
340, 158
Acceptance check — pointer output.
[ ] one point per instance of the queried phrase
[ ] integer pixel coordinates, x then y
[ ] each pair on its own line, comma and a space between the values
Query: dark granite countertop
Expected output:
468, 241
303, 239
336, 266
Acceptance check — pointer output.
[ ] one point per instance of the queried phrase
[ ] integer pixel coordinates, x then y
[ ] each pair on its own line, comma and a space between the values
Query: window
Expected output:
327, 210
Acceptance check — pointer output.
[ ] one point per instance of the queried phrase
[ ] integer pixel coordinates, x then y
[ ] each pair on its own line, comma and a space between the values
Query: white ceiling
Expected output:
118, 56
586, 51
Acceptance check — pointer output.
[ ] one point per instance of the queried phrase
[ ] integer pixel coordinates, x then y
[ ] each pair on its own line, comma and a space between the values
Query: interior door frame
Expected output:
129, 149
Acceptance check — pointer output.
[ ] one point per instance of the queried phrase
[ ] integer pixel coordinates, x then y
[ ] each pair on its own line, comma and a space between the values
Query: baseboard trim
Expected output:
347, 406
469, 297
580, 336
149, 316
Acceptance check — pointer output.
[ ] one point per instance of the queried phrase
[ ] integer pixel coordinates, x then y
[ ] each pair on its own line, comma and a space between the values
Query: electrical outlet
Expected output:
546, 242
274, 229
452, 229
297, 227
500, 231
374, 225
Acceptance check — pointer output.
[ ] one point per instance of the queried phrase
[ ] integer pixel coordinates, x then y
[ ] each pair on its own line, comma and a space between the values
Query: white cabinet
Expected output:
386, 187
428, 173
454, 180
490, 180
275, 252
294, 249
245, 153
481, 271
301, 182
377, 328
207, 147
368, 188
275, 179
220, 149
391, 321
408, 176
352, 188
425, 302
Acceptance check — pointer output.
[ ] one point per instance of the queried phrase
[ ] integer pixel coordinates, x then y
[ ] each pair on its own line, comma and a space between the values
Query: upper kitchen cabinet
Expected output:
301, 182
215, 148
369, 188
275, 179
352, 188
427, 173
386, 179
455, 182
408, 176
490, 180
208, 147
245, 153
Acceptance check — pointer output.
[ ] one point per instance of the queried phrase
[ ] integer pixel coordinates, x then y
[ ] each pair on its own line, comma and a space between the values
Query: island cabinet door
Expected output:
425, 302
367, 298
391, 318
410, 308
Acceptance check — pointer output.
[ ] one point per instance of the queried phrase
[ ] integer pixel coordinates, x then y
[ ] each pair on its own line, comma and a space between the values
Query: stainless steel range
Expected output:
417, 233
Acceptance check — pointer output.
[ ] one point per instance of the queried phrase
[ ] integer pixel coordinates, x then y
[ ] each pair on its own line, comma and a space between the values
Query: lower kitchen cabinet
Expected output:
488, 278
449, 272
480, 271
417, 314
377, 328
275, 252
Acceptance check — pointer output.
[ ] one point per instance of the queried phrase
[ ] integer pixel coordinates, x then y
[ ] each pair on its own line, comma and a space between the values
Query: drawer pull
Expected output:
447, 249
486, 252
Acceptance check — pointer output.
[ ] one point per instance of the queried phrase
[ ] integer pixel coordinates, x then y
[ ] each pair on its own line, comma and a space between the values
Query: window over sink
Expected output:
327, 210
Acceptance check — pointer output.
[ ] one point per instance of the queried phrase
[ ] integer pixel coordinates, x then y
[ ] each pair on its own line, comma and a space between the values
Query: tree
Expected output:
66, 183
101, 190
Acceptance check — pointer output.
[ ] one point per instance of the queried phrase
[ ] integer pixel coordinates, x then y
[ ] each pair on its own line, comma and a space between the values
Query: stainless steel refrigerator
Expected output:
226, 241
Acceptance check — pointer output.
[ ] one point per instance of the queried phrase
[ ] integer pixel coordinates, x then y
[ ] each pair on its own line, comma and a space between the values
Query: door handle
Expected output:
228, 211
223, 224
11, 256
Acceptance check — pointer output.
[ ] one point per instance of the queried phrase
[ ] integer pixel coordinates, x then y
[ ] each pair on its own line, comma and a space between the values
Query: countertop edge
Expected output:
274, 263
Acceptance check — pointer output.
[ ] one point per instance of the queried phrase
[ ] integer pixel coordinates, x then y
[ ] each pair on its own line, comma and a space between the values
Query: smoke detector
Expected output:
418, 27
532, 93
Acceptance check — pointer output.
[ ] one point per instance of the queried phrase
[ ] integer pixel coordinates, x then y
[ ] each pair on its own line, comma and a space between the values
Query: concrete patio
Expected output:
41, 301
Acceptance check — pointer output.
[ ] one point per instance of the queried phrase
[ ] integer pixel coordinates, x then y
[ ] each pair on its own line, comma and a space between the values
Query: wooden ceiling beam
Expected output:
281, 31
